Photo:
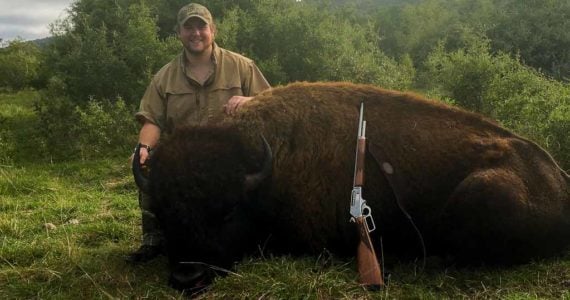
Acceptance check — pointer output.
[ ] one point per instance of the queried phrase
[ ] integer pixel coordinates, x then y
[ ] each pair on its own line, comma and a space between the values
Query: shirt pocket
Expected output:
182, 108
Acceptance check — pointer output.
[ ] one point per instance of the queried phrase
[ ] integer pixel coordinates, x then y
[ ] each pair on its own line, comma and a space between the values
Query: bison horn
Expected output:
140, 179
253, 180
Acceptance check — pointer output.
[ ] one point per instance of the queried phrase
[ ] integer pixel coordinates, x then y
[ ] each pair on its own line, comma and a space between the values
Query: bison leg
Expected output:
490, 217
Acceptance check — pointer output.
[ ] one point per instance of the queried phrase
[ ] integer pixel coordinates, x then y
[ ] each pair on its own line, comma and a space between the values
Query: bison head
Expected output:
204, 184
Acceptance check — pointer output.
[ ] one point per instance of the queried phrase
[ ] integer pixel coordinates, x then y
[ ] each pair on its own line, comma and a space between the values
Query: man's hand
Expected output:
234, 103
149, 135
143, 152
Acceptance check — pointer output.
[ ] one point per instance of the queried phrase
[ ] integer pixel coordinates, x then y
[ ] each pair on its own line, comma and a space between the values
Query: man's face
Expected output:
196, 36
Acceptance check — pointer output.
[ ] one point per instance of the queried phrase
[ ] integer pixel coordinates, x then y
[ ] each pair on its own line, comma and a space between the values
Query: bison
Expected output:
279, 175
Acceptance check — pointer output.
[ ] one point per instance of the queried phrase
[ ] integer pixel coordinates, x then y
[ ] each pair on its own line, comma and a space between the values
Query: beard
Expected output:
197, 48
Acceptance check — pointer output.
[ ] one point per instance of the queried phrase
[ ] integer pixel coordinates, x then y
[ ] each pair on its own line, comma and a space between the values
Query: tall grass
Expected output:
65, 228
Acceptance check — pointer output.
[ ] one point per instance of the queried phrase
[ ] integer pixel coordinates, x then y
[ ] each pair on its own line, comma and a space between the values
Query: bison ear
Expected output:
252, 181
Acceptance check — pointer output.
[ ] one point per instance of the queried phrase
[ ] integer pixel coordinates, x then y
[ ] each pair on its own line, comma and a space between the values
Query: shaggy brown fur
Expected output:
476, 191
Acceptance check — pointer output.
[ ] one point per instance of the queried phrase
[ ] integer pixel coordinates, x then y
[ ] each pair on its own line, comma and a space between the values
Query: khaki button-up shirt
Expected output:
173, 98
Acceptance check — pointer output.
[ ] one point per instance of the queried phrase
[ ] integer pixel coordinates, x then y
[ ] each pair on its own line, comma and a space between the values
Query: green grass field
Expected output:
65, 228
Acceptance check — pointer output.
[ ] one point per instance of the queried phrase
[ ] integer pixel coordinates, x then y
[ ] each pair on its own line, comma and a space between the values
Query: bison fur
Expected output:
476, 191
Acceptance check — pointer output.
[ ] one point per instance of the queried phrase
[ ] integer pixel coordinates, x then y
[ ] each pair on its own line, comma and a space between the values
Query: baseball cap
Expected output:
194, 10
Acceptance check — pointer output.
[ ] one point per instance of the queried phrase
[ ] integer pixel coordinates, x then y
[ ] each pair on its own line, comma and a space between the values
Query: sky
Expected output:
29, 19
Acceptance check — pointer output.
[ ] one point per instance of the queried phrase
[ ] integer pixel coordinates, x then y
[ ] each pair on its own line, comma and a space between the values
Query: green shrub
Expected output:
107, 49
558, 128
538, 31
19, 64
99, 128
416, 28
304, 42
105, 127
464, 75
6, 143
501, 87
17, 126
56, 122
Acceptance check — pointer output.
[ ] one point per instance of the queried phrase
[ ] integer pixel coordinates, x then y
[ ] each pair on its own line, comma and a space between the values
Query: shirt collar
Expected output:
215, 57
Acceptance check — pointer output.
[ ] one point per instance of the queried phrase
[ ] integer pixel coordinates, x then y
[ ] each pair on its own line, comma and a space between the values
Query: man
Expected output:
197, 87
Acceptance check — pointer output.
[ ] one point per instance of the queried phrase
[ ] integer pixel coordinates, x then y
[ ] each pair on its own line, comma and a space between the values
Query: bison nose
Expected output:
190, 277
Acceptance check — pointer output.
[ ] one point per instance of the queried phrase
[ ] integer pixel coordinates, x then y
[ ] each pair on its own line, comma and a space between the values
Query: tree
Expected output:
294, 41
107, 49
538, 30
166, 11
19, 64
500, 86
416, 29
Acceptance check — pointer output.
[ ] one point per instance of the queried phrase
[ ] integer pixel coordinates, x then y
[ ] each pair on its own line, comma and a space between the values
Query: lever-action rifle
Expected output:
369, 271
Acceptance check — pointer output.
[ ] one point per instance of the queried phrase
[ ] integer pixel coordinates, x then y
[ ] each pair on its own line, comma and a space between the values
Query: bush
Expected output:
19, 64
416, 28
558, 127
303, 42
538, 30
105, 127
464, 75
99, 128
6, 143
107, 52
501, 87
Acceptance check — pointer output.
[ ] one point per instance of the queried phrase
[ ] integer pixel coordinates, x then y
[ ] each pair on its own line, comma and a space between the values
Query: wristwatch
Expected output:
147, 147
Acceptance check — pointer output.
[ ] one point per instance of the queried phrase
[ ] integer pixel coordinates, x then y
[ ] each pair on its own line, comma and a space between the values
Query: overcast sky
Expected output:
29, 19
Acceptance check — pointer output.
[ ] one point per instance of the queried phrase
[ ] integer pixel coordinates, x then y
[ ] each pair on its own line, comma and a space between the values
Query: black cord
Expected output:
402, 209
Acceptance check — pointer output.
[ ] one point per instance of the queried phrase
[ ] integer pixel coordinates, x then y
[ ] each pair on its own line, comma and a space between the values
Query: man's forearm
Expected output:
149, 134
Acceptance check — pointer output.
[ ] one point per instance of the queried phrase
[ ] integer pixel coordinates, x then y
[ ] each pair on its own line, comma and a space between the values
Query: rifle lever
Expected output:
367, 214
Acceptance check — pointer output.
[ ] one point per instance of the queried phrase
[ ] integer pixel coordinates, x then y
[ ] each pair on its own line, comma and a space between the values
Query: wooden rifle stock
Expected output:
370, 274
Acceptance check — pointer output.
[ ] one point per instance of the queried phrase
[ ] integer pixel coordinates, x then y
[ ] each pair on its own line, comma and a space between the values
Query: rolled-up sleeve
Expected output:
152, 108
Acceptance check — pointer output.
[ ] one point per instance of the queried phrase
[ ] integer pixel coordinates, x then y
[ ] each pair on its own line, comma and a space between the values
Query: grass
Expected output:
66, 226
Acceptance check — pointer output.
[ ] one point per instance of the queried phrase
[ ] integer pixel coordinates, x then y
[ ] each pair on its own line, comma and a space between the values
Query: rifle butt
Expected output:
369, 272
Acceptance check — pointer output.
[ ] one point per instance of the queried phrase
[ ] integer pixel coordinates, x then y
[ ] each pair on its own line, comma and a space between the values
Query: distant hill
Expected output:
42, 42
